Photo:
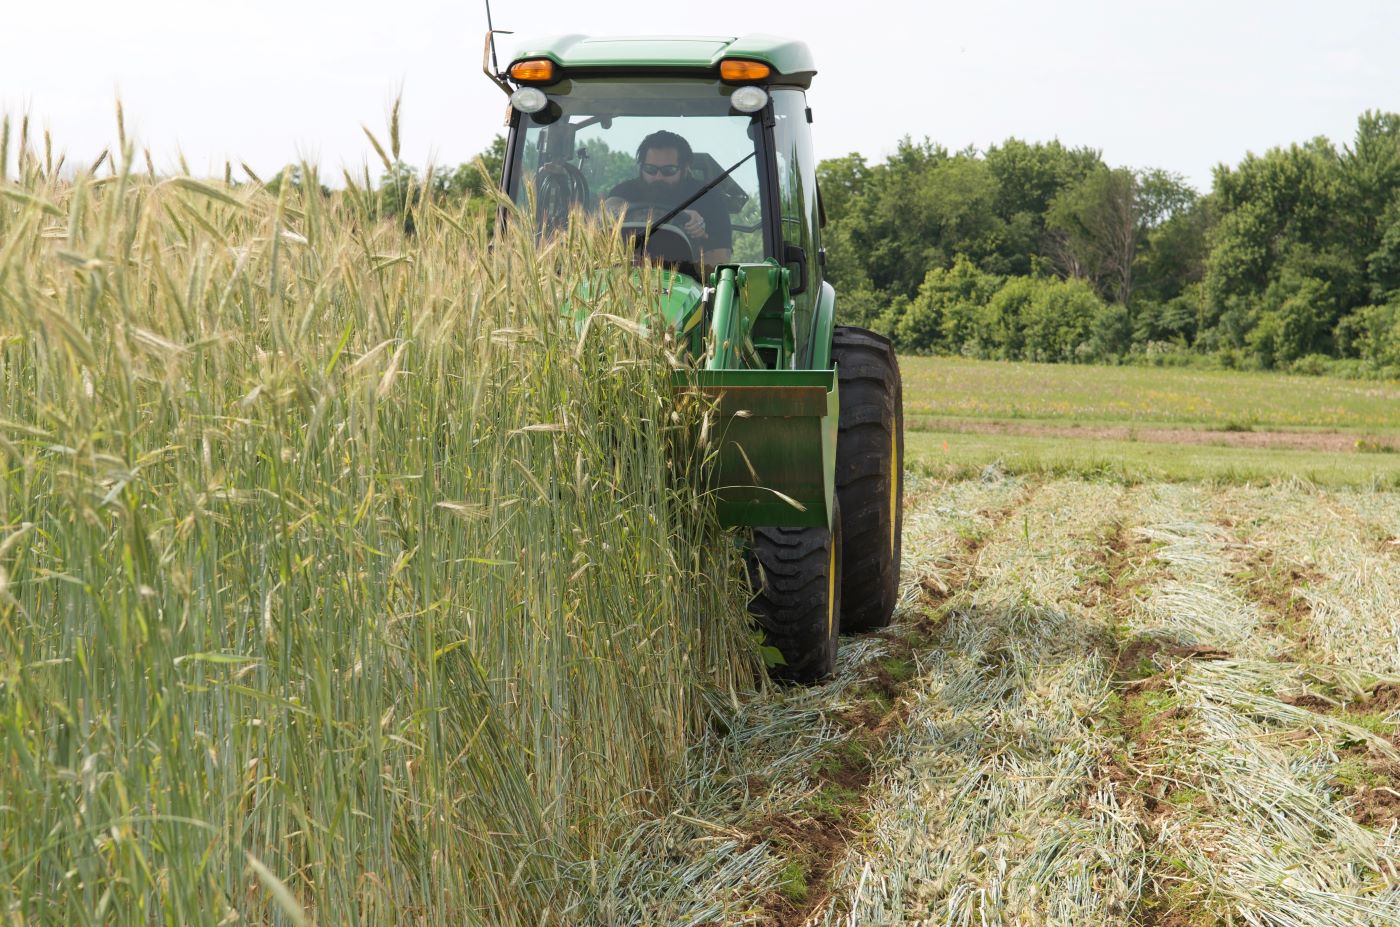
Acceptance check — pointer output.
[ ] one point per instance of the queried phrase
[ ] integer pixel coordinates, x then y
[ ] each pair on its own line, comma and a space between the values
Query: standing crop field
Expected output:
342, 578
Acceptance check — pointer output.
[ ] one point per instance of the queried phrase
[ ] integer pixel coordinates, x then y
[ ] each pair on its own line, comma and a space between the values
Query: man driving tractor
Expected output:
663, 180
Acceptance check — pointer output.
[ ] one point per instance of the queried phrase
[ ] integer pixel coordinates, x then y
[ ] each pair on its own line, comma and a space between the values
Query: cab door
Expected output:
798, 211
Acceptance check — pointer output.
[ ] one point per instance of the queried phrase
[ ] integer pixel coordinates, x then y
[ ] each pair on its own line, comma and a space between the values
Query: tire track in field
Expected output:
936, 562
993, 804
777, 793
1359, 528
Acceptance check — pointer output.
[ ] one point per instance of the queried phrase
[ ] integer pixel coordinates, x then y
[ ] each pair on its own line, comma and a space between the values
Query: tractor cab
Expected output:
728, 119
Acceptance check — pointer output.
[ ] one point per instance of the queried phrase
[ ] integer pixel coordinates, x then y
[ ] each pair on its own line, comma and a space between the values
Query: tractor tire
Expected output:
869, 475
795, 575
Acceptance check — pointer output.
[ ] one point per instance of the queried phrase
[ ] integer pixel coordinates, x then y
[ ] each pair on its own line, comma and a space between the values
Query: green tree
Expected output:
1378, 336
1172, 254
1285, 257
918, 211
841, 180
474, 177
1000, 331
1096, 226
1029, 176
1293, 323
942, 316
298, 176
1269, 205
1370, 179
399, 190
1383, 262
1057, 322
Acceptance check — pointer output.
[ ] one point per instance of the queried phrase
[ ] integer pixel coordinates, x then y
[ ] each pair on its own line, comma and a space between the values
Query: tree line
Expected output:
1039, 251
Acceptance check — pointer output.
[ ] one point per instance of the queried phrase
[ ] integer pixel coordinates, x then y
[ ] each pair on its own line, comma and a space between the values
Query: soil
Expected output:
1378, 807
1273, 584
816, 842
1383, 698
1313, 703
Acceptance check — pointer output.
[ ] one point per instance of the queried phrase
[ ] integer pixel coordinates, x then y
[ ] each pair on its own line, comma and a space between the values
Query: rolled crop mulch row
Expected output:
780, 788
1230, 767
994, 805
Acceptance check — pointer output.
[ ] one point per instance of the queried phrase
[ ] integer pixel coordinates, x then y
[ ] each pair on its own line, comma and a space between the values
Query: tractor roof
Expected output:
792, 60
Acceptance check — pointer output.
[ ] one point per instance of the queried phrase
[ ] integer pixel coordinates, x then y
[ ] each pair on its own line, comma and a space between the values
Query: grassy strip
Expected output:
1378, 517
341, 577
1202, 580
1222, 399
957, 455
1250, 800
1332, 557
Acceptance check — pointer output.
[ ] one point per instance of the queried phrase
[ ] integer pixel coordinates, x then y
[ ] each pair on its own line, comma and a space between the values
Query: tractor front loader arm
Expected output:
775, 434
749, 301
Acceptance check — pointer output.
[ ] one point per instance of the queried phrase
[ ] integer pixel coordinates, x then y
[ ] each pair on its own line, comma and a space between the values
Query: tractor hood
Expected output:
674, 297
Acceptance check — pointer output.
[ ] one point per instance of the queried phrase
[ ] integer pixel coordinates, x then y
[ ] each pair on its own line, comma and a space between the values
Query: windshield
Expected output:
639, 147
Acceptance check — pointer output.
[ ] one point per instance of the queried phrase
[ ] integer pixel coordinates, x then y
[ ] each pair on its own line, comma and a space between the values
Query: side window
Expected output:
797, 177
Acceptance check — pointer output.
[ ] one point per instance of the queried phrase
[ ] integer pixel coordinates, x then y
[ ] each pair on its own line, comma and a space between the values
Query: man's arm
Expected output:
719, 231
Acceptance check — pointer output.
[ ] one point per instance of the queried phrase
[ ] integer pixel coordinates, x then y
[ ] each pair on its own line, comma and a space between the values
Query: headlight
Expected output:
748, 99
532, 99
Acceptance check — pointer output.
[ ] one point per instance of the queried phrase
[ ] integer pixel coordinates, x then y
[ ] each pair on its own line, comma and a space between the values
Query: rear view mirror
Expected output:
795, 255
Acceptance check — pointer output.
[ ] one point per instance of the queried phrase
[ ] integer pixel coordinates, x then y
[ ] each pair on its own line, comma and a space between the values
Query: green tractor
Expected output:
701, 149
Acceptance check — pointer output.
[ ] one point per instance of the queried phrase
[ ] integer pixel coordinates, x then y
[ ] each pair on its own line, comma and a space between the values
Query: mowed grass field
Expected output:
1135, 424
1132, 681
950, 387
1148, 704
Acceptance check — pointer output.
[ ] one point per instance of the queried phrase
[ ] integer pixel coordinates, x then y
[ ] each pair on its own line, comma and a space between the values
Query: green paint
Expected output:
791, 60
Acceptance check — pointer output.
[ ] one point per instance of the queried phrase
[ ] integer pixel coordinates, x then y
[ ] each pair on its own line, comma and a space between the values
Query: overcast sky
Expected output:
1182, 86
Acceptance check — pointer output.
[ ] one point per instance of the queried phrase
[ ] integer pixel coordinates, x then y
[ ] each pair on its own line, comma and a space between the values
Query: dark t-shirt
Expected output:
719, 233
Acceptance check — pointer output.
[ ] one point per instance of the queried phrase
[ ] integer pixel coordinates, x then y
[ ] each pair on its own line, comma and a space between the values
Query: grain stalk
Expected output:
309, 618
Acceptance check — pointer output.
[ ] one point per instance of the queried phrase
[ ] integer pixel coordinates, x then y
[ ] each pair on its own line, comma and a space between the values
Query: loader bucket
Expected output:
774, 434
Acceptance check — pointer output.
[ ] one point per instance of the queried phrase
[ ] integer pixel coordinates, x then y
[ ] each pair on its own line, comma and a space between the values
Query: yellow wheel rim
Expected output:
831, 588
894, 483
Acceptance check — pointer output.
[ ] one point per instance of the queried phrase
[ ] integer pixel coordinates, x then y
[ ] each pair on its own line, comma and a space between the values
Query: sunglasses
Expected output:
665, 170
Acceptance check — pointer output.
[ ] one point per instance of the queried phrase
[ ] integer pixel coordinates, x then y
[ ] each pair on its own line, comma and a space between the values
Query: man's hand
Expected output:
694, 223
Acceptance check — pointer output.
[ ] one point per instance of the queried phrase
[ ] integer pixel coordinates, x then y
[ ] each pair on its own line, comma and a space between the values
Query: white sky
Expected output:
1181, 85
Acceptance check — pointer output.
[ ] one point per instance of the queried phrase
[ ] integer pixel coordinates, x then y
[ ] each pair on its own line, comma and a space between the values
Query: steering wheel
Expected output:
668, 243
559, 187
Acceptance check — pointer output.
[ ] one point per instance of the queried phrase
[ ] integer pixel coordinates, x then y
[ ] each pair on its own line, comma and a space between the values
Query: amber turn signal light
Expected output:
737, 69
532, 69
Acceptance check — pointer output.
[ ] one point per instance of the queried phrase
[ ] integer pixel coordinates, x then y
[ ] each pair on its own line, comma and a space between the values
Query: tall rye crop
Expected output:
342, 579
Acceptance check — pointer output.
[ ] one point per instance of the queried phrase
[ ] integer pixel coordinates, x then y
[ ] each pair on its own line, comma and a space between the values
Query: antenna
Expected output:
489, 65
491, 34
